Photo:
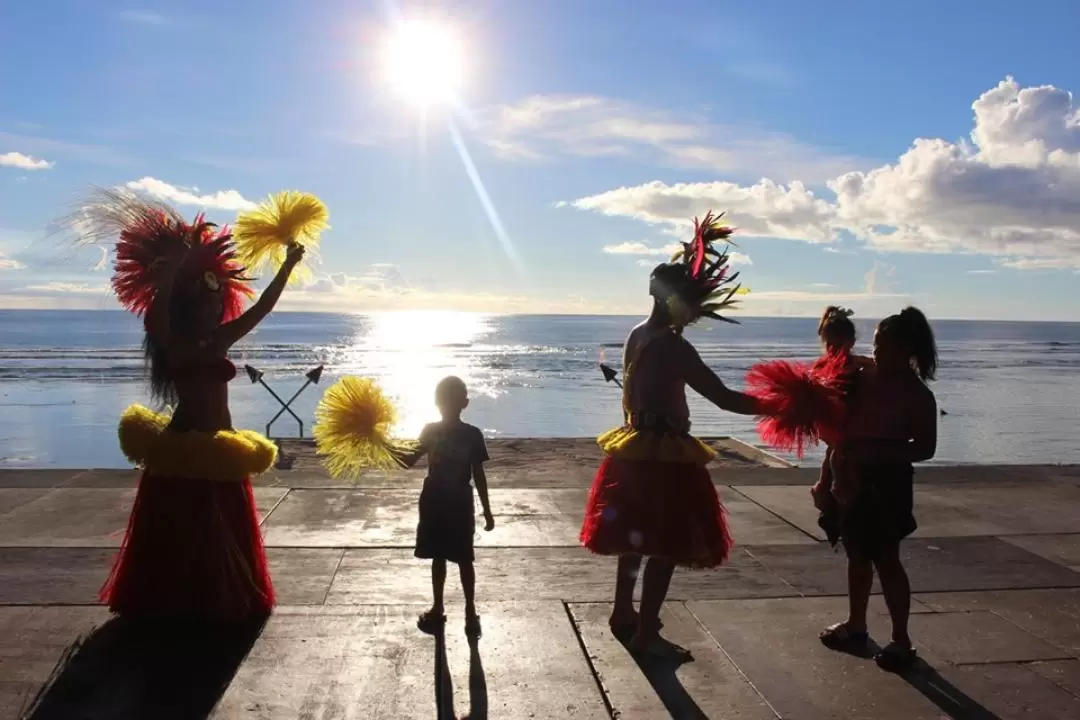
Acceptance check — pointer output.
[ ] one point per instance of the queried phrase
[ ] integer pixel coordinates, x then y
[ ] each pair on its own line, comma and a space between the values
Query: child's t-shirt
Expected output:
452, 450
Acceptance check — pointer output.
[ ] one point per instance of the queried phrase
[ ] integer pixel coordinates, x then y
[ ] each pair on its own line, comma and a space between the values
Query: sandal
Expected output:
472, 626
837, 637
431, 622
896, 658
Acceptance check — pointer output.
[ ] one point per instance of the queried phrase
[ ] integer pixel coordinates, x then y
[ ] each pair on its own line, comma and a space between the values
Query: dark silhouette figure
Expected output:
129, 668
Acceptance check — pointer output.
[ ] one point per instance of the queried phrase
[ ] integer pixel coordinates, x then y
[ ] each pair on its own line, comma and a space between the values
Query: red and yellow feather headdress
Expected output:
146, 233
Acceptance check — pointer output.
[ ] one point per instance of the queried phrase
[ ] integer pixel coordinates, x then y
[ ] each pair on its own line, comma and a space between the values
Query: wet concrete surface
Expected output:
996, 608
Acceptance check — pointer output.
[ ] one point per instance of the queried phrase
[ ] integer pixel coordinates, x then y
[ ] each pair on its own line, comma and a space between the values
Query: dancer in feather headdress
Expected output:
653, 495
193, 546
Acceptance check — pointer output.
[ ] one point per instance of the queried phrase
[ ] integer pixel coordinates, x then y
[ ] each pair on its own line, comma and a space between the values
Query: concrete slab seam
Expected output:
604, 696
776, 514
731, 660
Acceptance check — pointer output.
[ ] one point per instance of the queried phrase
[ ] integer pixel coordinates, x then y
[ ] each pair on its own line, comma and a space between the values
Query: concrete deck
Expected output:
995, 569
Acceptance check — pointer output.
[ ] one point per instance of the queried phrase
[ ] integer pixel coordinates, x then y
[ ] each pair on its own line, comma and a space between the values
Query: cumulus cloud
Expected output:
384, 287
766, 209
879, 279
7, 263
1012, 191
145, 17
220, 200
24, 162
553, 126
666, 251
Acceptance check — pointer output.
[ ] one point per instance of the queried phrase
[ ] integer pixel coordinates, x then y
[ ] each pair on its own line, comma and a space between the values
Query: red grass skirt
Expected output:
665, 510
193, 548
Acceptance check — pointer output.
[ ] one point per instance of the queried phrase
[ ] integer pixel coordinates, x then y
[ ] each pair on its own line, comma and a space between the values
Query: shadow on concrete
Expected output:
478, 694
660, 671
139, 669
444, 686
950, 699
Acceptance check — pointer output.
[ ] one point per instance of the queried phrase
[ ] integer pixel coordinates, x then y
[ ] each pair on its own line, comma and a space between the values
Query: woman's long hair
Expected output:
913, 329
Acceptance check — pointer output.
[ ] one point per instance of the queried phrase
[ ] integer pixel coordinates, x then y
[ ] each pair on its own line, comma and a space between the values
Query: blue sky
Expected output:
597, 129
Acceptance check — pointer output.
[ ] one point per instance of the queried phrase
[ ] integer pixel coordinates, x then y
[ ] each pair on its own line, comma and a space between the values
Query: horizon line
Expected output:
284, 311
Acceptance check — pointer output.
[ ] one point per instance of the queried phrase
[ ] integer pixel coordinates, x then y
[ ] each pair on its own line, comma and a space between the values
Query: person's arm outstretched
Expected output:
705, 382
409, 459
231, 332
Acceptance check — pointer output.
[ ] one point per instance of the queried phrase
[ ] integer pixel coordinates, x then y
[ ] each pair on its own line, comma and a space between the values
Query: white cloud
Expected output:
879, 279
640, 248
220, 200
384, 287
24, 162
982, 272
10, 264
766, 209
1012, 191
145, 17
552, 126
665, 252
66, 288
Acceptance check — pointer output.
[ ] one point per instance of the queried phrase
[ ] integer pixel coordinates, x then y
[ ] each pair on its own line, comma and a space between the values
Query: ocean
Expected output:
1010, 389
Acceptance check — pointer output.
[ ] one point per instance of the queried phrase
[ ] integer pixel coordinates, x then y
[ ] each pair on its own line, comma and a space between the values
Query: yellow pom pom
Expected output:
352, 429
262, 235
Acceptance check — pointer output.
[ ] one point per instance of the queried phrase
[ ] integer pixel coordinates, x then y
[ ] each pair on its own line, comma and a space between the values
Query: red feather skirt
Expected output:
665, 510
193, 548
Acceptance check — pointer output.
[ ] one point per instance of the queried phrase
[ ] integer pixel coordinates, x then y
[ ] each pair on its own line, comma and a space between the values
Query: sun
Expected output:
424, 63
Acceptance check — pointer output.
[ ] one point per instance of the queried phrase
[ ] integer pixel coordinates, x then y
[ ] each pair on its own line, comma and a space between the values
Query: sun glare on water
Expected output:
410, 352
423, 62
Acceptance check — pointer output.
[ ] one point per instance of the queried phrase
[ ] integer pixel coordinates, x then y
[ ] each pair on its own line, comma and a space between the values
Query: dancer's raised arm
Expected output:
232, 332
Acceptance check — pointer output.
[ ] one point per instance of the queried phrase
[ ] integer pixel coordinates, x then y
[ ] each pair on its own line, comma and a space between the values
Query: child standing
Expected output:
456, 455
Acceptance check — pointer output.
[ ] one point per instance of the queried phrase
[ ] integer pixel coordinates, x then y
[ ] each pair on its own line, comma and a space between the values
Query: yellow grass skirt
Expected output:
630, 443
225, 456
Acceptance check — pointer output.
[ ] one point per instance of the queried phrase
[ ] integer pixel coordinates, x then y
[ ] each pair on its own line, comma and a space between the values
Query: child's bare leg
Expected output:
432, 621
468, 585
438, 582
623, 614
897, 590
654, 590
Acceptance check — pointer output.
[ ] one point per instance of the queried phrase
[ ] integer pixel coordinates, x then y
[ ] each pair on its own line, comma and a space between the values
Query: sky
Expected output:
873, 155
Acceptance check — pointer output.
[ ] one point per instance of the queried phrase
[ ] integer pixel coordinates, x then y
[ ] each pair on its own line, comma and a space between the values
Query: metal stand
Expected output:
256, 376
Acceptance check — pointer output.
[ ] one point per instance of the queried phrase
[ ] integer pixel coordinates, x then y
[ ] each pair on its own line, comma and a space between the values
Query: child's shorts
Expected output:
447, 525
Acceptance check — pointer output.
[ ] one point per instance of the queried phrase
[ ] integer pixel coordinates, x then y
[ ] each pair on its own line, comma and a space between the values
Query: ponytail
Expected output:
835, 327
915, 332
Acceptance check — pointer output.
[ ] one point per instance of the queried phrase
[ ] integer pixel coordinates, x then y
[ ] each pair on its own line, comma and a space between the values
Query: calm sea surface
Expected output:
1011, 390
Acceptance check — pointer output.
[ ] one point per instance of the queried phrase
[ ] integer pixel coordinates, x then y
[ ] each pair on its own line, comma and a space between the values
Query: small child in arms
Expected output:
836, 483
456, 455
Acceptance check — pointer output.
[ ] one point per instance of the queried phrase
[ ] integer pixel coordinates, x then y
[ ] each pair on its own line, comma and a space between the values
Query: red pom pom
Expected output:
801, 402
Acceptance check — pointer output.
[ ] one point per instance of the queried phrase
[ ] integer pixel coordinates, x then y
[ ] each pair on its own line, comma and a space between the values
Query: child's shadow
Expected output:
132, 669
661, 672
951, 700
444, 686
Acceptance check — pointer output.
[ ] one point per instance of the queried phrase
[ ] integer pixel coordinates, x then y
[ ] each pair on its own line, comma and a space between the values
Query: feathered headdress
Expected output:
146, 234
697, 280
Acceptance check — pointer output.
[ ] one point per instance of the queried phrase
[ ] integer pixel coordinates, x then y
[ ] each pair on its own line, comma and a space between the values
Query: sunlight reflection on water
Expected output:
410, 352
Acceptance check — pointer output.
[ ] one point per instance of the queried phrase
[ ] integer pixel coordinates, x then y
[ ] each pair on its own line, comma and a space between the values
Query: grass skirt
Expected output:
193, 545
660, 509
